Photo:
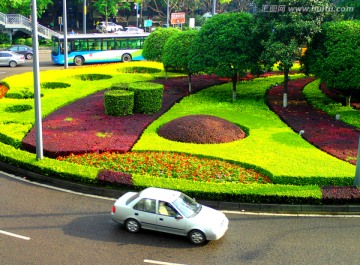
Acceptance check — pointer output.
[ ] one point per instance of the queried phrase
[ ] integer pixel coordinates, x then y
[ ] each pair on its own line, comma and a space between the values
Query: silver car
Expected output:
171, 212
11, 59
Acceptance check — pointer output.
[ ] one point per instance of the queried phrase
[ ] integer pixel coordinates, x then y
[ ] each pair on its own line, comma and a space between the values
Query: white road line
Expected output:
160, 262
14, 235
242, 212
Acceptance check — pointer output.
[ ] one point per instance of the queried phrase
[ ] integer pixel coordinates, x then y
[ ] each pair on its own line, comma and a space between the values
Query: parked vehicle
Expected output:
11, 59
22, 49
111, 27
171, 212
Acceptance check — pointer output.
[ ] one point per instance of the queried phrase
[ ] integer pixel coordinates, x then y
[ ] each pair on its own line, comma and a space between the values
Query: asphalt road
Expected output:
44, 64
39, 225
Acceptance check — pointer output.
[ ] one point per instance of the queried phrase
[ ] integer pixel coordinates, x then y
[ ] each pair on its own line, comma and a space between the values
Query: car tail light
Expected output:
113, 209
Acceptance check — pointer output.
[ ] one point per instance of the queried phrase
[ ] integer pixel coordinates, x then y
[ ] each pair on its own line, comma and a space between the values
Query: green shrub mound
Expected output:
147, 97
201, 129
54, 85
118, 102
18, 108
120, 86
23, 94
93, 77
139, 70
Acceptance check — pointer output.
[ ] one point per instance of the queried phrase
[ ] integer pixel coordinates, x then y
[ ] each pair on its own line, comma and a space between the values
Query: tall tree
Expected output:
224, 46
287, 26
176, 51
23, 6
107, 8
334, 56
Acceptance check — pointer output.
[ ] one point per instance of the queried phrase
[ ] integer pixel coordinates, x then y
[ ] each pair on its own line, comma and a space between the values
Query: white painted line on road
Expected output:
14, 235
292, 214
224, 211
2, 72
160, 262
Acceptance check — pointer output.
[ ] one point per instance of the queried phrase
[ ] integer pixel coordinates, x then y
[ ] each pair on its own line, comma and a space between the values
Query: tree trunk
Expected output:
347, 101
286, 81
189, 80
234, 81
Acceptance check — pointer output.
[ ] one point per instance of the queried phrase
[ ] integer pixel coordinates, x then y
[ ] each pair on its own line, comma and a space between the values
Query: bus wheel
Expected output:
126, 58
78, 60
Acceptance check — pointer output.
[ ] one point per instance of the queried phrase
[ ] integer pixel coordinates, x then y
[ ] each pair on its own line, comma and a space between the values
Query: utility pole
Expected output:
37, 94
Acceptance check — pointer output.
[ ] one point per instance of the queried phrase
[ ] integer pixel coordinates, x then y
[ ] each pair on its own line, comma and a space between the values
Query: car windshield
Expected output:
187, 206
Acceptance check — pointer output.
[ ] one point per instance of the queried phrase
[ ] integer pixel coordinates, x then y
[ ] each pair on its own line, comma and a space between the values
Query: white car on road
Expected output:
111, 27
171, 212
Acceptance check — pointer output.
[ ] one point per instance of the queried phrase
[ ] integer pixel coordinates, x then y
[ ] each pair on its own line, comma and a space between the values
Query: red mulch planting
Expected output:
323, 131
62, 136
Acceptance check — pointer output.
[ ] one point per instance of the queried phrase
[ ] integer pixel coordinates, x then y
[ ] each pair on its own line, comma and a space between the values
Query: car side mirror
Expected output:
178, 217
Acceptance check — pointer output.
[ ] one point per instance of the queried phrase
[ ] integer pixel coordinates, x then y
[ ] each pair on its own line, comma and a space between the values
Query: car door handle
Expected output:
161, 219
136, 214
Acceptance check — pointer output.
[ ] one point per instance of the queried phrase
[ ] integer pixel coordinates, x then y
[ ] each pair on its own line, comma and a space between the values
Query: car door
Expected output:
145, 213
169, 220
2, 62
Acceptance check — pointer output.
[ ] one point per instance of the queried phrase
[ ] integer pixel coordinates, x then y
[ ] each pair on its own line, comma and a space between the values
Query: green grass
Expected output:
320, 101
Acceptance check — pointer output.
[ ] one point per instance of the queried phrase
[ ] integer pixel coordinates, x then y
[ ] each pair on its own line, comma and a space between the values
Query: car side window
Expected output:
146, 205
166, 209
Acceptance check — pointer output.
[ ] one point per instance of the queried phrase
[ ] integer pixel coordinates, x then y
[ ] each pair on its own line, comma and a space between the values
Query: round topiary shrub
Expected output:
139, 70
18, 108
147, 97
201, 129
118, 102
54, 85
93, 77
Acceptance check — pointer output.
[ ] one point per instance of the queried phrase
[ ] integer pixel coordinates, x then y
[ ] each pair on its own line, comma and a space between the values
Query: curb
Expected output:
233, 206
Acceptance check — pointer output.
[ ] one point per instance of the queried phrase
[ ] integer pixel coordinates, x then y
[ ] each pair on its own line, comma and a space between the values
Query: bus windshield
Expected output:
99, 48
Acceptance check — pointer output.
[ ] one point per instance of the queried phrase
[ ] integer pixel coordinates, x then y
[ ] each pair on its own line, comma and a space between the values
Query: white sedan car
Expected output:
110, 27
171, 212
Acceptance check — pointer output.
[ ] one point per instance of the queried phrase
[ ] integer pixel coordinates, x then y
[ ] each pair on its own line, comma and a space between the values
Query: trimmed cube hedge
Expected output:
118, 102
148, 97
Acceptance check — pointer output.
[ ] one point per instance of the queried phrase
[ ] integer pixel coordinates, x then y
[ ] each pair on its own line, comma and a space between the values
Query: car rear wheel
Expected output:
126, 58
78, 60
197, 237
29, 56
132, 225
12, 64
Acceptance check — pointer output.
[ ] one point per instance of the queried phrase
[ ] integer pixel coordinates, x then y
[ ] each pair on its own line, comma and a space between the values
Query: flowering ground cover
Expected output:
82, 126
320, 129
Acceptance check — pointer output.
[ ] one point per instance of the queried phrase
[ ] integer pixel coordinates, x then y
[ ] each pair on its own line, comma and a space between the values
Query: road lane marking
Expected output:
14, 235
160, 262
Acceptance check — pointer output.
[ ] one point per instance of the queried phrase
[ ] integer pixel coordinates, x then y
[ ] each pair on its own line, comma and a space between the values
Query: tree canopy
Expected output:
176, 51
23, 6
334, 56
224, 46
155, 42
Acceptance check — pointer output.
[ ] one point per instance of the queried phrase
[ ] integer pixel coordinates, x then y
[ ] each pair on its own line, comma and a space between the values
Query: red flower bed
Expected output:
83, 127
3, 90
320, 129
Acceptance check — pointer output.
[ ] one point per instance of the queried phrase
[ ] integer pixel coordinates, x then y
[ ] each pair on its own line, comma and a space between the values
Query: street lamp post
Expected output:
37, 94
65, 36
84, 18
167, 14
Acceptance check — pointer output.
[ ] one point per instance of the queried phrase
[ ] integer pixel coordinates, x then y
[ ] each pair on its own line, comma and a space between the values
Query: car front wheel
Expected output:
197, 237
132, 225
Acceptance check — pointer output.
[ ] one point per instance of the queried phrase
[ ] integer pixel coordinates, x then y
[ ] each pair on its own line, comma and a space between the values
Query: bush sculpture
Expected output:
118, 102
147, 97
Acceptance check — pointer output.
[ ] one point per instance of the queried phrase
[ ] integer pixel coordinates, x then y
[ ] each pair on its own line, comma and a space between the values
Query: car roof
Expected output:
160, 194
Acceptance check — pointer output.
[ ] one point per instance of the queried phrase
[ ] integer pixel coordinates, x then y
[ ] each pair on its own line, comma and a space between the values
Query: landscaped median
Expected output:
296, 169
